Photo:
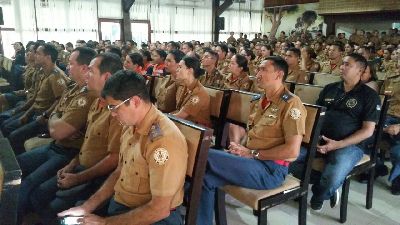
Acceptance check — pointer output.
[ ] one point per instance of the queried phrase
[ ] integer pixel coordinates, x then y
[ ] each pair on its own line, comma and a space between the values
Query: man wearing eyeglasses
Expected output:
75, 180
147, 186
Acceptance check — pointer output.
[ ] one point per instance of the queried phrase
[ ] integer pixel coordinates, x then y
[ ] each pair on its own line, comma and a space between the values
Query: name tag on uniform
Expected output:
272, 116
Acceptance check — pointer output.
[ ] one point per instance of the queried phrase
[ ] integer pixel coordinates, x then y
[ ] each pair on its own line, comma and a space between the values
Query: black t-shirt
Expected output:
347, 111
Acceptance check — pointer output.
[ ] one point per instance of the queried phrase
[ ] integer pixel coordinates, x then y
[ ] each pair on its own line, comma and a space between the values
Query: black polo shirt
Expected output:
347, 111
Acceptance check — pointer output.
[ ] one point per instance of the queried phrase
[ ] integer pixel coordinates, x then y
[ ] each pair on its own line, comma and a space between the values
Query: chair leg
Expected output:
262, 217
303, 210
344, 201
220, 210
370, 188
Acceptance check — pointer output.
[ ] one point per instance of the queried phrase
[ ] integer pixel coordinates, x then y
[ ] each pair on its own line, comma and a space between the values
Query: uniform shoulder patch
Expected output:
161, 156
61, 82
295, 113
194, 99
82, 101
155, 132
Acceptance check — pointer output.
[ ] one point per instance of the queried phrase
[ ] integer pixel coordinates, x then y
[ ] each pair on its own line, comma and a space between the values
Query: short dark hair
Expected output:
194, 63
269, 48
146, 54
223, 47
178, 55
296, 51
86, 55
114, 49
250, 53
124, 84
189, 44
213, 53
279, 64
242, 62
233, 50
110, 62
161, 53
174, 44
339, 45
50, 49
362, 62
136, 59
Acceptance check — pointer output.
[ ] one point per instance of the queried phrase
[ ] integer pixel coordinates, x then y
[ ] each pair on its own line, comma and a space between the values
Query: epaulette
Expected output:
286, 96
155, 132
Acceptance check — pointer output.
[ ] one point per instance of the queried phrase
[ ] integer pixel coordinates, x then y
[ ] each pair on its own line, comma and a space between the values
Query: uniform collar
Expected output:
193, 86
278, 95
144, 127
356, 88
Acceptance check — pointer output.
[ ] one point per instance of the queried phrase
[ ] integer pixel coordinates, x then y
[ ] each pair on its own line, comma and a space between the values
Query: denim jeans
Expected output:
394, 148
227, 169
174, 218
37, 166
18, 137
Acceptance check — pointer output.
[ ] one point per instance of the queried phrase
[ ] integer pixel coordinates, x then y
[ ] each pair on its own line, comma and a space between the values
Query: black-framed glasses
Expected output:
113, 108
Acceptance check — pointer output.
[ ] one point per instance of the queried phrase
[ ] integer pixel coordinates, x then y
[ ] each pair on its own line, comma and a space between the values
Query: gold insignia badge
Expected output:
161, 156
295, 113
351, 103
61, 81
82, 102
195, 99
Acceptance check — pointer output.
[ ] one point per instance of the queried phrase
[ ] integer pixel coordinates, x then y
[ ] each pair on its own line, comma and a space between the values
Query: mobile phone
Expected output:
70, 220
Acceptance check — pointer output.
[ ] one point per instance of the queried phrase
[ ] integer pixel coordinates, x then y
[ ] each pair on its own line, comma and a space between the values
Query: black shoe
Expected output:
395, 188
380, 171
316, 206
334, 200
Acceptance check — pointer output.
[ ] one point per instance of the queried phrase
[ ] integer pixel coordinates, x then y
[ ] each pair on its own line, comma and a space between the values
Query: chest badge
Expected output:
82, 102
161, 156
61, 82
194, 100
351, 103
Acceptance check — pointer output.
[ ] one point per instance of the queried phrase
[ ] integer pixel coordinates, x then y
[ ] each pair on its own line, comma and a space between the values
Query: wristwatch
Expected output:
44, 114
255, 153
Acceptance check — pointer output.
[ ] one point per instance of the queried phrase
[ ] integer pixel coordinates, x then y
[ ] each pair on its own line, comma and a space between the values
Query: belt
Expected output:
282, 162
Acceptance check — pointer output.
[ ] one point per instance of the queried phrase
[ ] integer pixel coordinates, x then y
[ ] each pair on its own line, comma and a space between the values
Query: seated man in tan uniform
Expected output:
295, 73
212, 76
335, 56
147, 186
98, 155
275, 132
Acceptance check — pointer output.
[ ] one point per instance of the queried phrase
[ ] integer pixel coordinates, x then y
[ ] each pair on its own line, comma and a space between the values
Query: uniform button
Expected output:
130, 143
122, 179
98, 133
80, 153
125, 162
86, 137
137, 173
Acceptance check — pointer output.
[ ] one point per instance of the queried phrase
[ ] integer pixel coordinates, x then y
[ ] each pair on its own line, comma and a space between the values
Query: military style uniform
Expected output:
298, 76
327, 67
231, 40
166, 95
153, 158
389, 67
284, 116
213, 79
223, 66
242, 82
195, 101
102, 137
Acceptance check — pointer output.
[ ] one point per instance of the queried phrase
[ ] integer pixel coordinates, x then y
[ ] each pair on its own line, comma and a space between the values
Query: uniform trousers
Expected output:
338, 164
227, 169
14, 122
395, 147
39, 165
174, 218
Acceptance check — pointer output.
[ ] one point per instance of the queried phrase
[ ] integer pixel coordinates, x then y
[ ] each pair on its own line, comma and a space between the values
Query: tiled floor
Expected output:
385, 209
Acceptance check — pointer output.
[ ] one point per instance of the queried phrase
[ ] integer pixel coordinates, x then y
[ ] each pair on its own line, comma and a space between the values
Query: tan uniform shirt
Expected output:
51, 88
154, 160
392, 86
166, 96
242, 82
102, 135
298, 76
231, 40
213, 79
73, 109
284, 117
389, 67
223, 66
327, 67
195, 101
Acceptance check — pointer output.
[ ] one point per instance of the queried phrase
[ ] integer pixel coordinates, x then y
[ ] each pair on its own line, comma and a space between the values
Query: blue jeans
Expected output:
37, 166
227, 169
338, 164
18, 137
174, 218
395, 148
14, 123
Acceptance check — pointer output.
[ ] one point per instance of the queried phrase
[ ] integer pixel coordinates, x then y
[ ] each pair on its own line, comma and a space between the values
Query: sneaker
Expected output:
395, 188
316, 206
334, 200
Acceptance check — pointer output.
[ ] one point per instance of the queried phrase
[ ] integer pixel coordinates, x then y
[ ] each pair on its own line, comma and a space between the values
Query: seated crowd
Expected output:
116, 158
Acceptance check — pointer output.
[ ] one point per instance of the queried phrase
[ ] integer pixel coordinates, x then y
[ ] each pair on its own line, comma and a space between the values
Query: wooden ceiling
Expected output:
274, 3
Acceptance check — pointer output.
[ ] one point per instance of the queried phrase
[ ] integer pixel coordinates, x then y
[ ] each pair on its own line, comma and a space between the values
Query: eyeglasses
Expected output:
114, 108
